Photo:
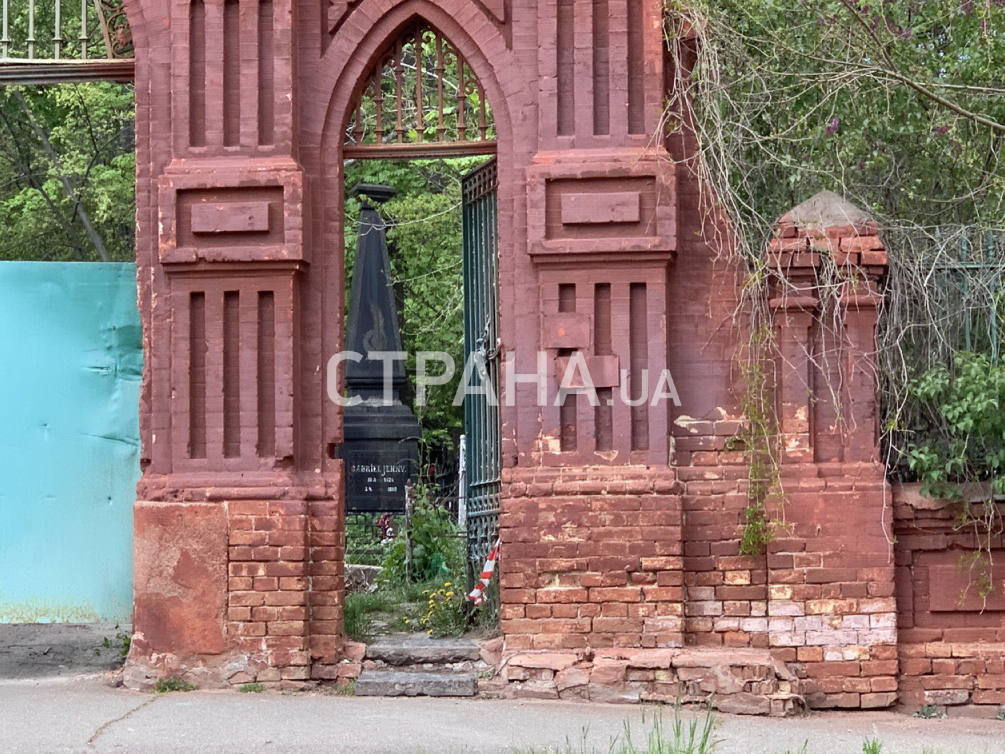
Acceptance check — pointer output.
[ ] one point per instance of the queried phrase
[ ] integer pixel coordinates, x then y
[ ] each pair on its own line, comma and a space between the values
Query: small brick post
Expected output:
832, 613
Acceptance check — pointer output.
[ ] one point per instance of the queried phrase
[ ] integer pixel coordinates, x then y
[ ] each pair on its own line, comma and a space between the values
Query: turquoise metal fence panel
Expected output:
71, 360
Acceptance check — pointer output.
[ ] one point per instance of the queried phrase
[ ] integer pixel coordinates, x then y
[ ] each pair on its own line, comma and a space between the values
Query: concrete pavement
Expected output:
44, 650
85, 714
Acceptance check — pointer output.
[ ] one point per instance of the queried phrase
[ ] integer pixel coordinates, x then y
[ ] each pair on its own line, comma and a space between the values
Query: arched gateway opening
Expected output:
422, 124
240, 518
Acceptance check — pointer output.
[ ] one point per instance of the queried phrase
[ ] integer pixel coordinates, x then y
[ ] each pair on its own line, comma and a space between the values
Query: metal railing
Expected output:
64, 40
420, 99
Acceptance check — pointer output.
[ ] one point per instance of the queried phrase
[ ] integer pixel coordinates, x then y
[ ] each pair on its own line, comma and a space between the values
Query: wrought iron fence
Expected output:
64, 40
945, 294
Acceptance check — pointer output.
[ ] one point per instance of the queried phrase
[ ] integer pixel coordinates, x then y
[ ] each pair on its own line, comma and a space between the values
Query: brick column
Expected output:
832, 613
238, 530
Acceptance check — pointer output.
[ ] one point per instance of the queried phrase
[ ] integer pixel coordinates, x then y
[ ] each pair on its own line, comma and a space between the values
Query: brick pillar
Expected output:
238, 530
831, 609
591, 564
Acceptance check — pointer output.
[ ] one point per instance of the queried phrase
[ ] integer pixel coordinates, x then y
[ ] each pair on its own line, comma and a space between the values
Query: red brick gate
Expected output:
620, 524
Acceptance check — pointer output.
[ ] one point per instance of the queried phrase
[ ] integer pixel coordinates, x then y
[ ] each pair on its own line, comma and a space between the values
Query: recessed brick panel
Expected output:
598, 208
229, 217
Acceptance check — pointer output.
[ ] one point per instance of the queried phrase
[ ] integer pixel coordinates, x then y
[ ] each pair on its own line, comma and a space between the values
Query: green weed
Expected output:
167, 685
929, 712
119, 645
675, 736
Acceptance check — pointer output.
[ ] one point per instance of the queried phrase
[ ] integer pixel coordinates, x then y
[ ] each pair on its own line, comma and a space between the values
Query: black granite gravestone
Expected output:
381, 449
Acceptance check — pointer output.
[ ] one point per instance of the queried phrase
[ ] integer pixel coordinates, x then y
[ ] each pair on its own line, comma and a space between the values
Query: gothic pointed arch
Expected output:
420, 98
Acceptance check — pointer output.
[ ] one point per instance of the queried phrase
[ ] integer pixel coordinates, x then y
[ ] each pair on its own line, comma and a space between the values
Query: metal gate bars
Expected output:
481, 342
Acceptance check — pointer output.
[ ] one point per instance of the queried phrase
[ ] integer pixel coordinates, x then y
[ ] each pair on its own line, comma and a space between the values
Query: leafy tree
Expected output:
899, 104
67, 167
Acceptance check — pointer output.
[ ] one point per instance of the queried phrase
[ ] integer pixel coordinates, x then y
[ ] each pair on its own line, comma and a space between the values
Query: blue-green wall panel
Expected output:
71, 362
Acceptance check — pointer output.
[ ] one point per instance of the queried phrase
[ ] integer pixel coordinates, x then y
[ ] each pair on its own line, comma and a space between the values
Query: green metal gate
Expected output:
481, 340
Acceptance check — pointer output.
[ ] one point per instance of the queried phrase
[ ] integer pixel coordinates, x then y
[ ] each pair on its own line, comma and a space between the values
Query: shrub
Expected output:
962, 433
437, 549
961, 439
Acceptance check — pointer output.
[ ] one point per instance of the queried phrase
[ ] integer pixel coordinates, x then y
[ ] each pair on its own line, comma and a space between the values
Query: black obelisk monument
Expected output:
381, 433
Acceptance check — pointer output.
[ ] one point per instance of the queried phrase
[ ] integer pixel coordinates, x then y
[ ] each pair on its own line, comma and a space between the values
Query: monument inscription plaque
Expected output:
376, 476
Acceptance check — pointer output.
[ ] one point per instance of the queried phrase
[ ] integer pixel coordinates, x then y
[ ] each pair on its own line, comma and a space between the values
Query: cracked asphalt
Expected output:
58, 696
85, 714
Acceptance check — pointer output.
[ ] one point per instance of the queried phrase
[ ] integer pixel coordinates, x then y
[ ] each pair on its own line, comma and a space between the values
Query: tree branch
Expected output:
85, 219
893, 72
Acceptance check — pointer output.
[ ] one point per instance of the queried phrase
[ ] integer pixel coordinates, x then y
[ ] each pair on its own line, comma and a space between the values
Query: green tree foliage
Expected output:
898, 104
67, 173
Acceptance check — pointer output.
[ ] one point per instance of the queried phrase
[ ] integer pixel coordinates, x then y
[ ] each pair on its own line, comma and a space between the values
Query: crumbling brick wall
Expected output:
592, 560
951, 636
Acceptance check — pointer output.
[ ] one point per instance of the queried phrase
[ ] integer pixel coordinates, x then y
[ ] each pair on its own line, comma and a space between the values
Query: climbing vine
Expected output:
897, 107
758, 440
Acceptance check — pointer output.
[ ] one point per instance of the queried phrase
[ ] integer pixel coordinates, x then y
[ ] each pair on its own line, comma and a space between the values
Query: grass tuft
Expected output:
251, 688
675, 736
399, 608
167, 685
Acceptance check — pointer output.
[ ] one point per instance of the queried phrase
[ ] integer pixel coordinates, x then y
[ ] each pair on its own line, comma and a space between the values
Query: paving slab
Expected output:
407, 683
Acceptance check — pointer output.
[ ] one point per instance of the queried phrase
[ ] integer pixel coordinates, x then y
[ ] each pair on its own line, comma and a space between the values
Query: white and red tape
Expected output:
477, 594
